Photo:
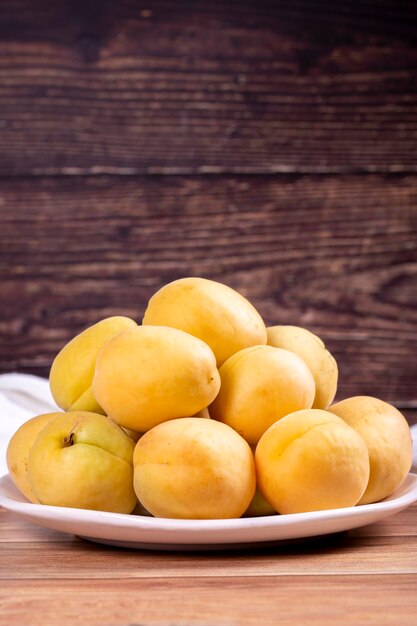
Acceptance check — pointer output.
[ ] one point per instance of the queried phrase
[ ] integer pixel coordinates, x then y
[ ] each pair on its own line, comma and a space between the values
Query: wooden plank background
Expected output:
268, 145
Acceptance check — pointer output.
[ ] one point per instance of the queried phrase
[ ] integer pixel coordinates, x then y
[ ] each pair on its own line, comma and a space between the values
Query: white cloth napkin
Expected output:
23, 396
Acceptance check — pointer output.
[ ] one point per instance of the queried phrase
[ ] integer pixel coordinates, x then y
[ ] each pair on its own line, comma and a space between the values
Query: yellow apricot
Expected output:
73, 368
310, 461
387, 435
83, 460
203, 413
194, 468
150, 374
260, 385
258, 506
18, 452
313, 351
209, 310
133, 434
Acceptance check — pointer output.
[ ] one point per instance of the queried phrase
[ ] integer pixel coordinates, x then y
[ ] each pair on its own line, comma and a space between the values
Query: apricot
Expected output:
150, 374
83, 460
203, 413
133, 434
258, 506
18, 452
387, 435
313, 351
194, 468
260, 385
72, 370
209, 310
310, 461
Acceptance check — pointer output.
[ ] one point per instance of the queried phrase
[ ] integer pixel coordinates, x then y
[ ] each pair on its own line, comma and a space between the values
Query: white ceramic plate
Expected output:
137, 531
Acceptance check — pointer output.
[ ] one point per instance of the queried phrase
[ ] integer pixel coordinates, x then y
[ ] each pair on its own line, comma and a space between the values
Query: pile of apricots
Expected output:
202, 412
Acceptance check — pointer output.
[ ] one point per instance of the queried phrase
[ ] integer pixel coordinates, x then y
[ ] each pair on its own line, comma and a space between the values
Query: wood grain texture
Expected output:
334, 556
311, 600
19, 531
203, 87
335, 254
325, 96
363, 576
269, 145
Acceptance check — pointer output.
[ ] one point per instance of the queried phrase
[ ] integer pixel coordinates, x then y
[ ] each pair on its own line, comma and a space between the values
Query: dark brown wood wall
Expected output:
269, 145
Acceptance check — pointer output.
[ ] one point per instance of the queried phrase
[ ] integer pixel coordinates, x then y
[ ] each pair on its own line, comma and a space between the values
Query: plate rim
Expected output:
394, 503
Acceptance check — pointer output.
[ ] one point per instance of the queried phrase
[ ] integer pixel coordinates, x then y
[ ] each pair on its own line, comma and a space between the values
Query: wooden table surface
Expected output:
267, 145
364, 576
